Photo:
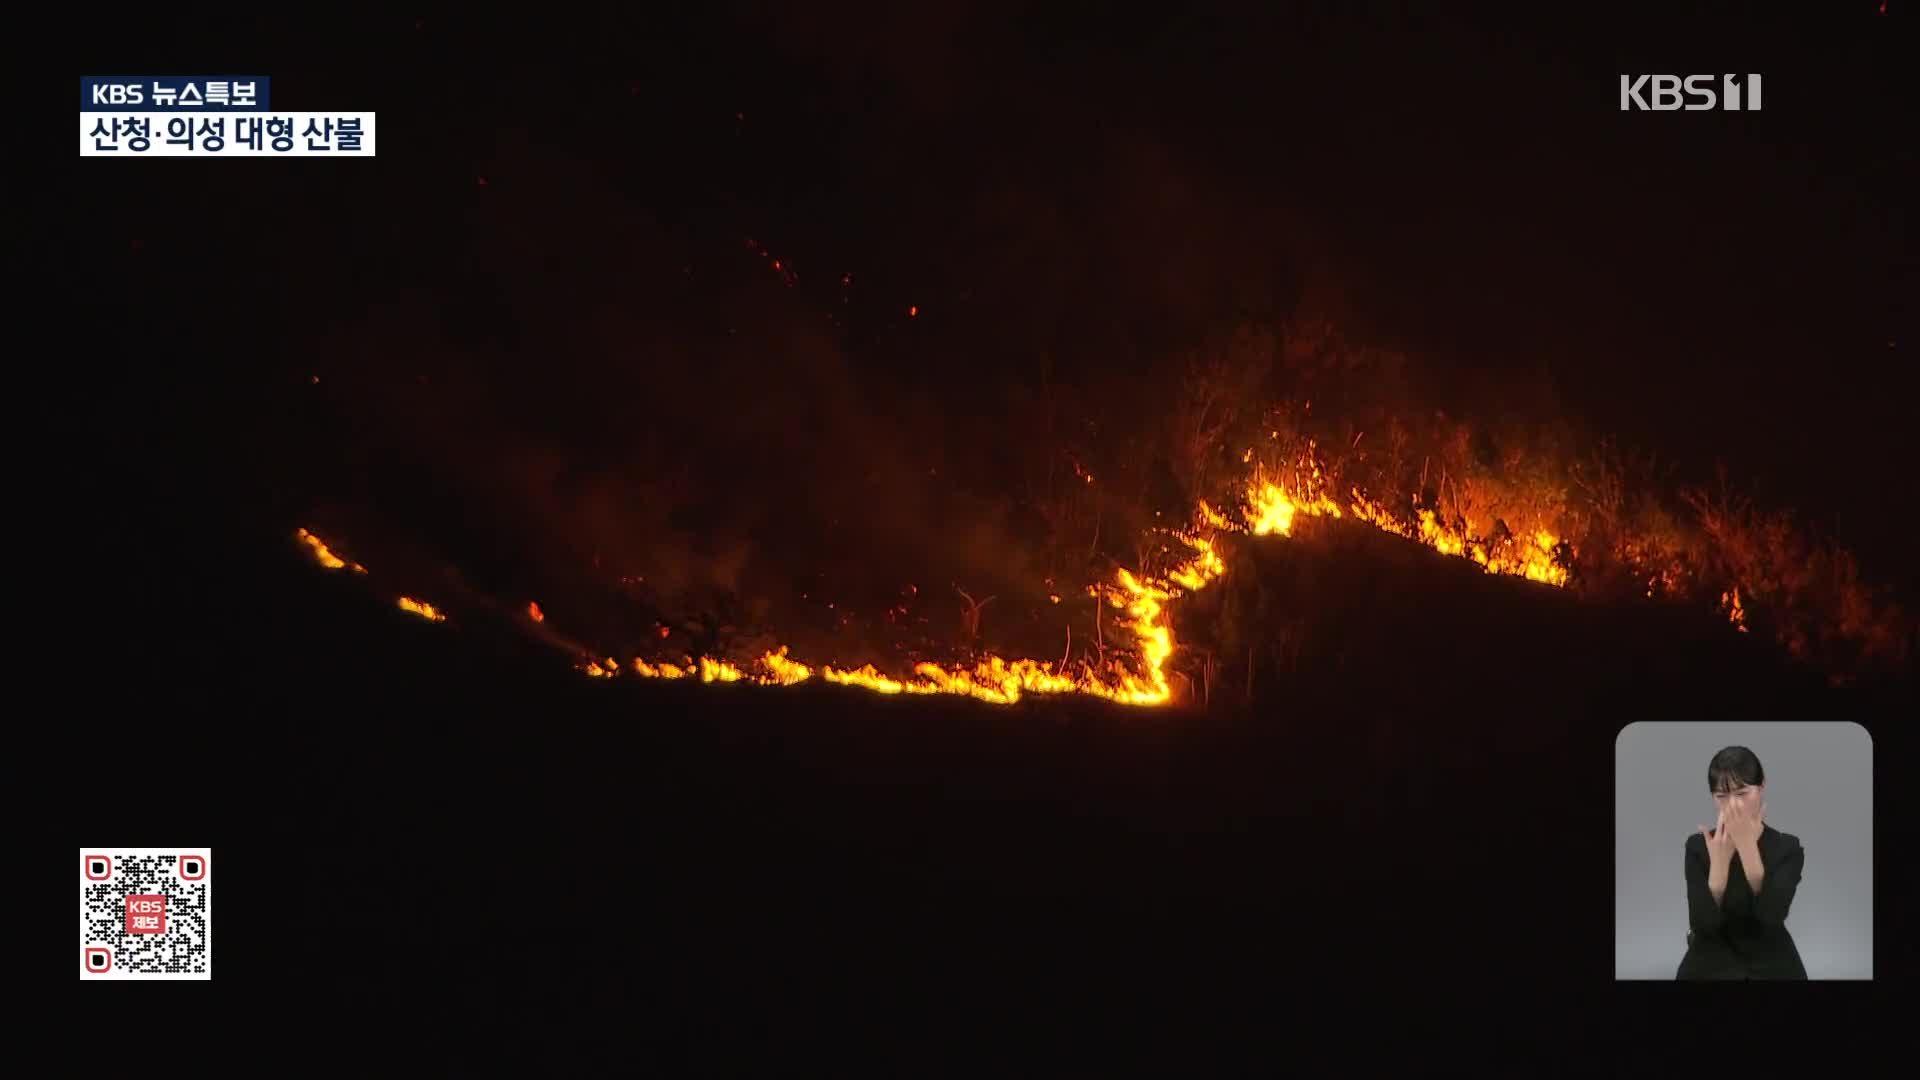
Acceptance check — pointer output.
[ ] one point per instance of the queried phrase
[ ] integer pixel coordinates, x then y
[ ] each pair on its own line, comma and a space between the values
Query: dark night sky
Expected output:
1462, 187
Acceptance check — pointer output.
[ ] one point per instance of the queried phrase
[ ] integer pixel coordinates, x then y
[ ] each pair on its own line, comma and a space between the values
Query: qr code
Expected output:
146, 913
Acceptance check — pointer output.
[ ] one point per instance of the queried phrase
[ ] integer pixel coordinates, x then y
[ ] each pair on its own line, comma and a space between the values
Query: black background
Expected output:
707, 876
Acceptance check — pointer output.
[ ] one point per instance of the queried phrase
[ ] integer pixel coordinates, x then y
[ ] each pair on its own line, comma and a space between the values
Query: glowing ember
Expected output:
534, 612
784, 671
422, 609
718, 671
1736, 614
1535, 563
324, 555
651, 671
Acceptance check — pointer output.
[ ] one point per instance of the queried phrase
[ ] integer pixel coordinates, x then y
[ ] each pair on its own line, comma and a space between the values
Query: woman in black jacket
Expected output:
1741, 877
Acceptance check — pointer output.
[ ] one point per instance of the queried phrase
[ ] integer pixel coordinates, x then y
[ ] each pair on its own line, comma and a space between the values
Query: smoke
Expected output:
588, 394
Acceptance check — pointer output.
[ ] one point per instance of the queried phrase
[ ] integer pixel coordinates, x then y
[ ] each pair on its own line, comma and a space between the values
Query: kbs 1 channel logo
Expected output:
1692, 93
208, 116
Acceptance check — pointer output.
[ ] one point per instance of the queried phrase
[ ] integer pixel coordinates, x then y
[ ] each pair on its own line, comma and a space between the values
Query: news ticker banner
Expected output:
209, 116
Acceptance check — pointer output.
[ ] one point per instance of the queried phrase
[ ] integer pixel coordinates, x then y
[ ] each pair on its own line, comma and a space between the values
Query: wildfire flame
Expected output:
421, 608
652, 671
1272, 506
324, 555
998, 679
1273, 509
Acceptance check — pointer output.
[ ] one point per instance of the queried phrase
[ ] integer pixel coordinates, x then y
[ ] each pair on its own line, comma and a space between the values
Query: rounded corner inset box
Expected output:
97, 961
97, 867
1622, 733
193, 867
1744, 851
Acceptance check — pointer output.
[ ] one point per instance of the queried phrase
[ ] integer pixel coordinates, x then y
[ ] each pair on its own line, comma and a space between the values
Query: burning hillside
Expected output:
1280, 485
1133, 652
995, 462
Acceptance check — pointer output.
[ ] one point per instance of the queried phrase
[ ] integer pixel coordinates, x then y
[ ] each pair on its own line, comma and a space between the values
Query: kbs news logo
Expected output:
1664, 93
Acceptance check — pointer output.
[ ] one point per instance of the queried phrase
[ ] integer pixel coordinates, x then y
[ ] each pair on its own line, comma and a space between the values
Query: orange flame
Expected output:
324, 555
1272, 504
652, 671
421, 608
998, 679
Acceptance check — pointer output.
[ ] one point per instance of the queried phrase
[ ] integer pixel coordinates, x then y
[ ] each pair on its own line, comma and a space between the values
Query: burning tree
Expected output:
1804, 590
1217, 410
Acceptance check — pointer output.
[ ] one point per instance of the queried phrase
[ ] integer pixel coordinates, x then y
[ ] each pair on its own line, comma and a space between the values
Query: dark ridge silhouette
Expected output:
775, 857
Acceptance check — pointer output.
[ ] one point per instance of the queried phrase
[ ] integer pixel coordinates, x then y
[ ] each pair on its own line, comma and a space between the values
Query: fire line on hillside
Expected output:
1271, 507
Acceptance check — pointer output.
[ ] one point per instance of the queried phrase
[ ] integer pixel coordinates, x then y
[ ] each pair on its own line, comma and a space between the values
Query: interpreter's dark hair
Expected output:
1733, 767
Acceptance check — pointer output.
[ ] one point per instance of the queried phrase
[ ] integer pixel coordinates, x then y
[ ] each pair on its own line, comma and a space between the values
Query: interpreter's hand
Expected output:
1745, 824
1719, 841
